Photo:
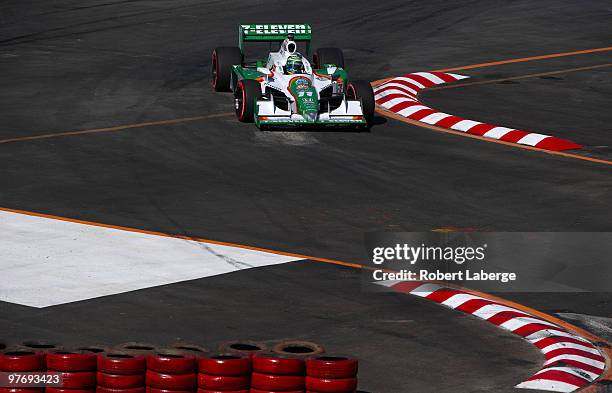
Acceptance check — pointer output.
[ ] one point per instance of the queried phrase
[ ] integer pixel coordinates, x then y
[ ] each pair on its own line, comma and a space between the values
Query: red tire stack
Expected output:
331, 374
77, 371
121, 372
277, 373
21, 360
219, 373
170, 371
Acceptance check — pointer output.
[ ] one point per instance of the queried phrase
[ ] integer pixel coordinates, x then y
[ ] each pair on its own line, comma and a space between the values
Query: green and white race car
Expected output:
287, 89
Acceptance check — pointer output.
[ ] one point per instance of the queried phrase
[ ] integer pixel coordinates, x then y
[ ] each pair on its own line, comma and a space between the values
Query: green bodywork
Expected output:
304, 93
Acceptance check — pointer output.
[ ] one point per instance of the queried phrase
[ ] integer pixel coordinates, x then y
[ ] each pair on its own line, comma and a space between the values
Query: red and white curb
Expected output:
399, 95
571, 361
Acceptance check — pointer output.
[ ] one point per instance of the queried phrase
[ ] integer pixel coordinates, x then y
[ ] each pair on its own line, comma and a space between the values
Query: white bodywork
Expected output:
275, 78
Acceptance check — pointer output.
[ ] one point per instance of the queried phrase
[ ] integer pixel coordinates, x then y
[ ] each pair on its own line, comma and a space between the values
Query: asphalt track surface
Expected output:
78, 65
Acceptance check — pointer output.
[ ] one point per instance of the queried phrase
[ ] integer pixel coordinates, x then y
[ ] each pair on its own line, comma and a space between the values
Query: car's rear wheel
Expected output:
362, 90
324, 56
247, 93
223, 58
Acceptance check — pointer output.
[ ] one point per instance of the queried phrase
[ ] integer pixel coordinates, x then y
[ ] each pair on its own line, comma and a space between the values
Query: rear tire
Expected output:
223, 58
362, 90
324, 56
247, 93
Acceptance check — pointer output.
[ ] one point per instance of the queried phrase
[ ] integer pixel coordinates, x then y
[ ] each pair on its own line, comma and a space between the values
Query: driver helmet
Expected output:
294, 65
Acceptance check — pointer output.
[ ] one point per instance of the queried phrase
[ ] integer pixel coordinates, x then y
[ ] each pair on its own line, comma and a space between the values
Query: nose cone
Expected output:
310, 117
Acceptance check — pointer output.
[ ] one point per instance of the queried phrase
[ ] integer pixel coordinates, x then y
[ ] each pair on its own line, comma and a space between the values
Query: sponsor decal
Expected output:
302, 84
275, 29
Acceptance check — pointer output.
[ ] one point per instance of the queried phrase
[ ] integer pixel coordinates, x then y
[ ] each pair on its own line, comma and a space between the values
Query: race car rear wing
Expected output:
274, 33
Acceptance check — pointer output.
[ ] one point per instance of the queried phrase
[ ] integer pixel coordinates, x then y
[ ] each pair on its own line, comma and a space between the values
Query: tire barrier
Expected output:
242, 367
277, 383
272, 363
328, 385
136, 347
273, 372
242, 347
331, 374
171, 370
224, 372
172, 362
71, 361
164, 381
121, 363
102, 389
331, 367
121, 372
298, 348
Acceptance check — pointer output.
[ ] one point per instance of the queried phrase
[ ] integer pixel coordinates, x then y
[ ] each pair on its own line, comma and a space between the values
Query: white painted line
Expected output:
532, 139
394, 101
400, 86
490, 310
408, 79
46, 262
411, 109
584, 374
465, 125
457, 300
546, 384
578, 358
425, 290
435, 117
431, 77
565, 345
518, 322
497, 132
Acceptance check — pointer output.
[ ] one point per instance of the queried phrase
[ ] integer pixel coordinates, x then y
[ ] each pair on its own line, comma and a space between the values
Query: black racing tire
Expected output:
324, 56
362, 90
247, 92
223, 58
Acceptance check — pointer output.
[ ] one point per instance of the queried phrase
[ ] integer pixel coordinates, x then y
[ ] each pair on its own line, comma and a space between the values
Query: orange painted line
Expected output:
511, 78
523, 59
395, 116
586, 334
196, 239
115, 128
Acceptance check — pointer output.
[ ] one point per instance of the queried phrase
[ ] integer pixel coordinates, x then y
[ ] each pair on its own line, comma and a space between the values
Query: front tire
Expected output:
223, 58
362, 90
324, 56
247, 93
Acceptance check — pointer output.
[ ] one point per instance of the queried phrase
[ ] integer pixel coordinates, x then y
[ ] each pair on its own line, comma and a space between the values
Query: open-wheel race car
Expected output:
286, 89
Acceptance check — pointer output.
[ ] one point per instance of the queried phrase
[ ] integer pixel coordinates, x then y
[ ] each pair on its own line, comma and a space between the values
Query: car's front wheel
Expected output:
245, 98
362, 90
